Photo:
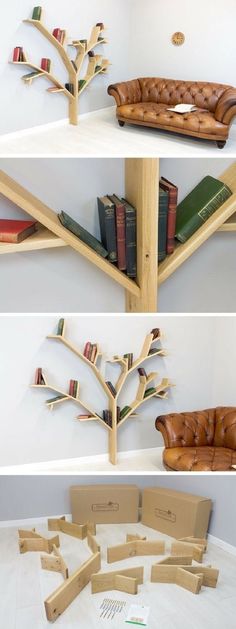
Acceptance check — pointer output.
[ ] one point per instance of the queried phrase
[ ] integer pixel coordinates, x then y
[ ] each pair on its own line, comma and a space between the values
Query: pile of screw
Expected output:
110, 607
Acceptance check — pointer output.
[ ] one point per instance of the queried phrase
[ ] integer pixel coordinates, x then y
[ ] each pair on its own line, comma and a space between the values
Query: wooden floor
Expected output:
99, 135
24, 586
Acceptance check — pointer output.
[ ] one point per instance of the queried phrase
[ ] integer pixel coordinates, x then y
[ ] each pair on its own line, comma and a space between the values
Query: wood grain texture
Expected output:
133, 549
106, 580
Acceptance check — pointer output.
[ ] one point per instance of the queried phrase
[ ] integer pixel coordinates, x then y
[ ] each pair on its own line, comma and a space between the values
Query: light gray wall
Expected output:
37, 496
21, 106
62, 280
209, 48
31, 433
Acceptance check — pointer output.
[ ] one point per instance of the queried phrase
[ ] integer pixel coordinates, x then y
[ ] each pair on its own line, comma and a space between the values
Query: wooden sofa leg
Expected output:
221, 144
121, 123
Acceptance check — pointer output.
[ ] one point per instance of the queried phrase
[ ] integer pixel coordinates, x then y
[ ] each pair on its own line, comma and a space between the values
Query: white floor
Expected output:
98, 134
149, 460
24, 586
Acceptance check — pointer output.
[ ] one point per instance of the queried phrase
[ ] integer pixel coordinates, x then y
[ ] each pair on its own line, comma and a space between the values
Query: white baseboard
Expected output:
15, 135
228, 548
48, 466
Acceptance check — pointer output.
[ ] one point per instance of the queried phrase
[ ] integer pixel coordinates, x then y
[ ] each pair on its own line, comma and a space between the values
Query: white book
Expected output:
183, 108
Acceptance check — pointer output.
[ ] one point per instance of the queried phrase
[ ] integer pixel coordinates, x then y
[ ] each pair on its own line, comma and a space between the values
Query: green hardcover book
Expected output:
82, 234
55, 399
107, 222
60, 327
37, 12
124, 411
81, 84
199, 205
28, 77
162, 224
149, 391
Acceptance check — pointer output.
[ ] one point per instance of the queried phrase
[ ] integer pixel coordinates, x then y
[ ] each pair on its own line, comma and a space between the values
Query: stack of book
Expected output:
129, 357
117, 220
46, 64
178, 222
39, 378
73, 388
18, 54
90, 351
59, 34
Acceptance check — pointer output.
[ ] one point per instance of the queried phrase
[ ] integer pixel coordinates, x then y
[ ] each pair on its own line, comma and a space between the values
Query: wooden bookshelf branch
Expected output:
122, 580
135, 548
55, 563
111, 418
60, 524
189, 577
75, 86
196, 551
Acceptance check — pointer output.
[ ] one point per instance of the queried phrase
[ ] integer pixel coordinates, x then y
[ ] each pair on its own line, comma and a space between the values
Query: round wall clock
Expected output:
178, 38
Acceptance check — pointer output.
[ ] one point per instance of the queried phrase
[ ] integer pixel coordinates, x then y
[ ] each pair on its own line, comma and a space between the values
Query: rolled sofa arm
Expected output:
165, 427
226, 106
126, 93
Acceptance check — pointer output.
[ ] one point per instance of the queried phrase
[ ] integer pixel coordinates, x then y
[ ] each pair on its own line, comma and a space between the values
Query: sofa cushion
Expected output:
201, 121
171, 92
200, 459
225, 427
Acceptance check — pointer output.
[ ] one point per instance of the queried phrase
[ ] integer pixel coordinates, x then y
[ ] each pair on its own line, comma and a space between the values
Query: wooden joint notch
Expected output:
63, 596
30, 541
60, 524
131, 537
122, 580
135, 548
92, 543
189, 577
55, 563
196, 551
200, 541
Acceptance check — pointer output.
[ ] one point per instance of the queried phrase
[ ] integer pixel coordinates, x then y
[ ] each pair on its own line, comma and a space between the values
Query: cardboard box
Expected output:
104, 503
175, 513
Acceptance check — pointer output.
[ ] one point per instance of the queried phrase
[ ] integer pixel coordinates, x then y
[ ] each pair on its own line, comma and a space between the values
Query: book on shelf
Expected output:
31, 75
101, 26
142, 372
129, 357
39, 378
85, 416
130, 239
59, 34
149, 391
87, 349
107, 222
172, 191
97, 69
70, 88
120, 231
60, 327
124, 411
107, 417
56, 399
15, 231
91, 53
37, 13
156, 333
90, 351
81, 233
17, 54
81, 84
199, 205
111, 388
46, 64
153, 350
73, 388
117, 414
74, 65
162, 224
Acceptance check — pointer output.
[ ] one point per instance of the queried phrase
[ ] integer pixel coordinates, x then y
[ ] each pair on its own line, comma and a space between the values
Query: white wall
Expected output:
31, 433
209, 49
32, 496
62, 280
22, 106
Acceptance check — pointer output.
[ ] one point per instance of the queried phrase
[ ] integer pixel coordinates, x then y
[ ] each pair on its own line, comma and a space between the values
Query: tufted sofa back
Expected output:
211, 427
171, 92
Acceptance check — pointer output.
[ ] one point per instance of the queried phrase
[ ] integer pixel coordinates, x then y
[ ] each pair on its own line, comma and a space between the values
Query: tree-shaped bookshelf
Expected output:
83, 49
112, 418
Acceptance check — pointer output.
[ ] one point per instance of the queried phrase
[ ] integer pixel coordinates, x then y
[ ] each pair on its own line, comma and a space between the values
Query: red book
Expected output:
57, 33
71, 387
120, 232
93, 353
17, 53
15, 231
87, 349
45, 64
171, 217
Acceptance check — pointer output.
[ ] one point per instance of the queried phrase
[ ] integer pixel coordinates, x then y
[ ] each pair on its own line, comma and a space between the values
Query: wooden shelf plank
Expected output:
41, 239
44, 215
184, 251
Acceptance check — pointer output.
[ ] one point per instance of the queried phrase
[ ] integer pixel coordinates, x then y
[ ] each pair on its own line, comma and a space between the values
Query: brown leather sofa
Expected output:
146, 101
199, 440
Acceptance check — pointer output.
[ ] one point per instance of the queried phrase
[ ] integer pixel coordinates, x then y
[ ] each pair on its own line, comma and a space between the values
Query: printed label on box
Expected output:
165, 515
106, 506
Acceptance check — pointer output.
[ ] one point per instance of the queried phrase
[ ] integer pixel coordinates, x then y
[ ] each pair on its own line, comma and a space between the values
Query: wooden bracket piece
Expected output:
179, 560
200, 541
63, 596
135, 548
92, 543
30, 541
189, 577
55, 563
60, 524
196, 551
123, 580
131, 537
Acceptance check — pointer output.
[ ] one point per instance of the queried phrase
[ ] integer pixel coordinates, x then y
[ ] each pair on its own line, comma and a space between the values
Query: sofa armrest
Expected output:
226, 107
126, 93
162, 426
